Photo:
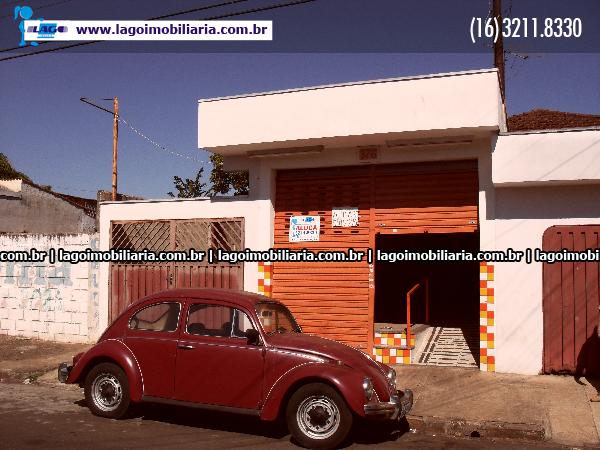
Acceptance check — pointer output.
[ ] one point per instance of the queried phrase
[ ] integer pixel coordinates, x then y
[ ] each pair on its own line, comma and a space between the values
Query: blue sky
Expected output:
58, 140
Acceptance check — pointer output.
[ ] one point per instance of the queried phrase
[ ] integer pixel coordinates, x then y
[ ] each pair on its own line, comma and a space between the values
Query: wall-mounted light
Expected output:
428, 142
285, 151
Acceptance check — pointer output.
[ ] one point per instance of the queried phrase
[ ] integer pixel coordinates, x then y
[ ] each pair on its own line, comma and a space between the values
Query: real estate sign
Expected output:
304, 228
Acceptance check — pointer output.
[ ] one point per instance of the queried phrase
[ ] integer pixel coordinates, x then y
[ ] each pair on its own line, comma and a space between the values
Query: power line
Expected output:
37, 8
265, 8
12, 2
87, 100
157, 145
71, 188
141, 134
202, 8
223, 16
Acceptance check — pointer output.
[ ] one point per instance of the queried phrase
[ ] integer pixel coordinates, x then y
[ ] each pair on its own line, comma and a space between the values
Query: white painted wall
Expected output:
433, 102
57, 302
518, 173
522, 216
256, 216
514, 217
559, 157
263, 170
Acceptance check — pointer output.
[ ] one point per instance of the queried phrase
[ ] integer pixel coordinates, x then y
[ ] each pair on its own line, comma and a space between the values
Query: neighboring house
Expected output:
545, 119
106, 196
45, 299
26, 207
416, 163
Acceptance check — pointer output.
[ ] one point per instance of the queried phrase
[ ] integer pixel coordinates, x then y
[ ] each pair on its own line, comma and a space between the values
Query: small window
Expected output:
217, 320
276, 318
241, 323
159, 317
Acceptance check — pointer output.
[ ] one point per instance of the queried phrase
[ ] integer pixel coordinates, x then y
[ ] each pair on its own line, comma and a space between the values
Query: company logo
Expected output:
47, 30
24, 13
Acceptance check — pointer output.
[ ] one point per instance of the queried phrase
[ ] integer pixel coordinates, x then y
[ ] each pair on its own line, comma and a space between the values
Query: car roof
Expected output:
242, 298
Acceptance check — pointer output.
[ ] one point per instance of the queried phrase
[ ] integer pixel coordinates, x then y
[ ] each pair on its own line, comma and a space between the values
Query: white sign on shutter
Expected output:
305, 228
344, 216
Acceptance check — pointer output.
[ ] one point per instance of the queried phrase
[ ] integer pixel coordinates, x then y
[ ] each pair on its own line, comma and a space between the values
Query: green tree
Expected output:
7, 171
223, 181
189, 188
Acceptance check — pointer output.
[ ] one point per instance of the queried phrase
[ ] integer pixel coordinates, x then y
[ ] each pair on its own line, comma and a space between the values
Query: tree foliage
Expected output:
189, 188
7, 171
223, 181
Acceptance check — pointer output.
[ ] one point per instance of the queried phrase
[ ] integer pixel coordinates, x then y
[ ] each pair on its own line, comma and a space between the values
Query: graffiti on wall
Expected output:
28, 274
46, 299
39, 284
43, 299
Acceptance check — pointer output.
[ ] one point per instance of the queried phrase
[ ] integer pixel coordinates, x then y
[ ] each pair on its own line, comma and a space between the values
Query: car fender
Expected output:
117, 351
348, 382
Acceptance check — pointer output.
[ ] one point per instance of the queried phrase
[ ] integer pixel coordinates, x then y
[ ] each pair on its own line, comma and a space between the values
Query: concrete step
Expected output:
393, 339
392, 355
399, 347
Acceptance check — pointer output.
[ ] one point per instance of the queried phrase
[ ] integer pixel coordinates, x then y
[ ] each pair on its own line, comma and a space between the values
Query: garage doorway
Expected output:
444, 304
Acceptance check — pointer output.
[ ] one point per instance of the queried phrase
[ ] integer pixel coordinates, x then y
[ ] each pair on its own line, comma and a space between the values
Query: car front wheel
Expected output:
318, 417
107, 391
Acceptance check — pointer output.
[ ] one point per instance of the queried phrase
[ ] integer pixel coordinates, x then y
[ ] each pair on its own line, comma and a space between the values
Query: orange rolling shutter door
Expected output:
427, 197
332, 299
329, 299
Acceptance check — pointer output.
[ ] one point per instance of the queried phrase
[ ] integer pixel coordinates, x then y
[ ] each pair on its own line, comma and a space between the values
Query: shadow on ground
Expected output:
363, 432
369, 433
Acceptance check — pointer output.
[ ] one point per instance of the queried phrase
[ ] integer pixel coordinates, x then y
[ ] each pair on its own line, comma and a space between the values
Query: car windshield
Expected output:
276, 318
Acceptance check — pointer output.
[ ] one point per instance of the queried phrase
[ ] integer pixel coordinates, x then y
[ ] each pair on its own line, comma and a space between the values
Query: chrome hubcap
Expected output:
107, 392
318, 417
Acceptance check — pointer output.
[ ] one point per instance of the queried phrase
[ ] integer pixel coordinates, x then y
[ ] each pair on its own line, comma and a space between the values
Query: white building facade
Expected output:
418, 164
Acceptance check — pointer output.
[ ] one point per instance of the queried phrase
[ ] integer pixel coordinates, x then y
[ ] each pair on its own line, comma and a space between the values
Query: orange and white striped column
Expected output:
487, 327
265, 270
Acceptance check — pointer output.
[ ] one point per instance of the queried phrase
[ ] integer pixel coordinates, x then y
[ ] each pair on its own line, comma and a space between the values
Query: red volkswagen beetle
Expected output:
239, 352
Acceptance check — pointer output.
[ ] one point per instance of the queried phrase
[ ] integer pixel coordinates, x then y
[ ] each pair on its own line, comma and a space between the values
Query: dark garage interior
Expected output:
453, 286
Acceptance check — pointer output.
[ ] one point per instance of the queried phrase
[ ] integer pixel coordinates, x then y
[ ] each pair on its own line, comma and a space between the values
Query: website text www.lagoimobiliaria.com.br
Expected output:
220, 256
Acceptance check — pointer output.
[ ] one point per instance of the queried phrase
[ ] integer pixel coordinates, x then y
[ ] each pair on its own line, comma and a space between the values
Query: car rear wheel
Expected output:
107, 391
318, 416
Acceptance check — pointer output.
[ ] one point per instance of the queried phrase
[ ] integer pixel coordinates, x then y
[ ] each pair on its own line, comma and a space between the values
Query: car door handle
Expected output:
185, 347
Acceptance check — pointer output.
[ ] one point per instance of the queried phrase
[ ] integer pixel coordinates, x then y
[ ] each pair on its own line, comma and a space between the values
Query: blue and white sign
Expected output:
304, 228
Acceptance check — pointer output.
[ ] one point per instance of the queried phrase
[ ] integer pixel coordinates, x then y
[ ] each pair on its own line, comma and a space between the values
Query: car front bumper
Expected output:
64, 370
398, 406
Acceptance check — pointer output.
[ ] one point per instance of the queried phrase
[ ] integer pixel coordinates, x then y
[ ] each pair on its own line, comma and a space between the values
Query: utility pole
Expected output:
115, 114
499, 47
115, 147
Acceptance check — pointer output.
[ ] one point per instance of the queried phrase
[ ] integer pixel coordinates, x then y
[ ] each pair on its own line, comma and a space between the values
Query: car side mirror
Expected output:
253, 336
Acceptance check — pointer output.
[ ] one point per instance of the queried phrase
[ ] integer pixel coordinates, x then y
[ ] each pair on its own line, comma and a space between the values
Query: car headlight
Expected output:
368, 388
391, 377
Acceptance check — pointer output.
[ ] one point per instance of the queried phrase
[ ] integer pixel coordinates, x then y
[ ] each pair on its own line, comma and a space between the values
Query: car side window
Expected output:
217, 320
157, 317
241, 323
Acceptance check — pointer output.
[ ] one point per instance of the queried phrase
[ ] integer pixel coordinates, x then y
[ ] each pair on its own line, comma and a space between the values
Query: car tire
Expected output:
318, 417
107, 391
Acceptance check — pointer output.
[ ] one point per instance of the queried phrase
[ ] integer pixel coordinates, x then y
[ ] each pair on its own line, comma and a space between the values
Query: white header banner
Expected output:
148, 30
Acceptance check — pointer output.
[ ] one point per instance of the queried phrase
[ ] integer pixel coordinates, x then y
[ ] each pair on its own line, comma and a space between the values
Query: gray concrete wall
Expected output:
37, 211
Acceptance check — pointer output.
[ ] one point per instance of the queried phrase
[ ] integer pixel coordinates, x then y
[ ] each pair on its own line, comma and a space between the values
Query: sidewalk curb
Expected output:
478, 428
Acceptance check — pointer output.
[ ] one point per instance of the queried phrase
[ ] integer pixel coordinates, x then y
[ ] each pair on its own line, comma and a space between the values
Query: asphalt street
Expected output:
55, 416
